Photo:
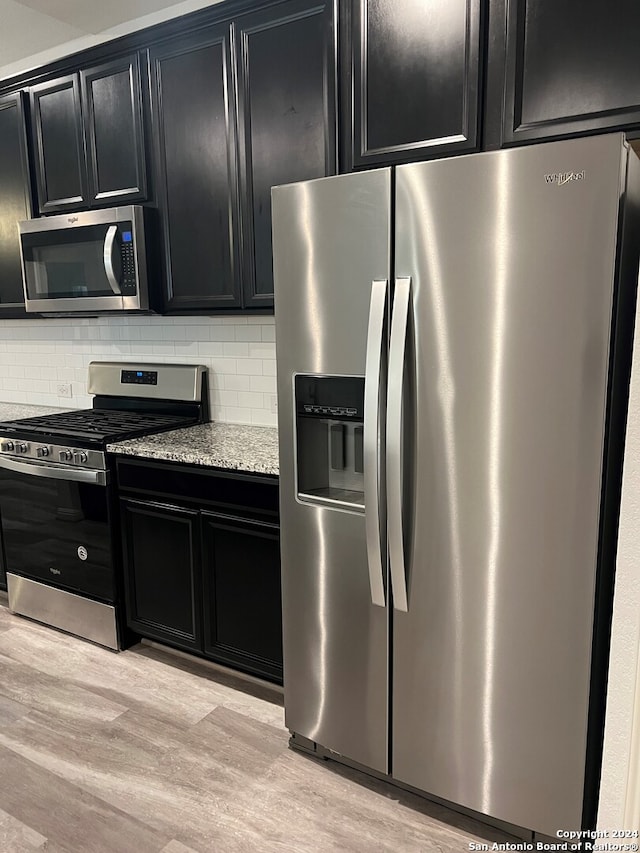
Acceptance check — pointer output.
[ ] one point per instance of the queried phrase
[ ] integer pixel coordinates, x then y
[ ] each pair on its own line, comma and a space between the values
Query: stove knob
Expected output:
65, 456
80, 457
7, 446
42, 451
21, 447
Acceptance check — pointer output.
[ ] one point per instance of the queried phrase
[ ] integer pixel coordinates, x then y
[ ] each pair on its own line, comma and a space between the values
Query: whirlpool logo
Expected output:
562, 178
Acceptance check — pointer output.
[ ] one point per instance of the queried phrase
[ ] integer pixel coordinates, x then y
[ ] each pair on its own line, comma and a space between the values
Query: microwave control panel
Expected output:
128, 286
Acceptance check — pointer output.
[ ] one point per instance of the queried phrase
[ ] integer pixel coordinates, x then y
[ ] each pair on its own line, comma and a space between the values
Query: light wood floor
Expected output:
141, 751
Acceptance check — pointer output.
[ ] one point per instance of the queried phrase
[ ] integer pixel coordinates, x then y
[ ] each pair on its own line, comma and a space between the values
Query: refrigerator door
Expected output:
511, 257
331, 241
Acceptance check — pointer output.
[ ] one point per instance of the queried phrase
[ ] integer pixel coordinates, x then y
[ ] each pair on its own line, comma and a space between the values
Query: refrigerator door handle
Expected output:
371, 439
394, 441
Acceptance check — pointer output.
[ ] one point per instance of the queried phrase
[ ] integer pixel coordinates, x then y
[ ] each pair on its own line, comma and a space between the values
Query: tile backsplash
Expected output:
37, 356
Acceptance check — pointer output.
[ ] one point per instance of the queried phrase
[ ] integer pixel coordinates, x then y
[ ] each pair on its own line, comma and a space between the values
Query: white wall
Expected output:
37, 32
37, 355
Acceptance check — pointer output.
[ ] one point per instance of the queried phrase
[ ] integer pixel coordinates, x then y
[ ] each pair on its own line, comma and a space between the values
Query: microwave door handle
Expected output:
109, 242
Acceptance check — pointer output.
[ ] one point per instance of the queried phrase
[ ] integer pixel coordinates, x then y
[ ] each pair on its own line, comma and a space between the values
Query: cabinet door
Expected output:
571, 67
416, 79
15, 204
112, 100
162, 577
286, 120
195, 167
242, 602
58, 137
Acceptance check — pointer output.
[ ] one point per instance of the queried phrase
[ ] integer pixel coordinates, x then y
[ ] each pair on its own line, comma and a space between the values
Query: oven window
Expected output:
68, 264
57, 532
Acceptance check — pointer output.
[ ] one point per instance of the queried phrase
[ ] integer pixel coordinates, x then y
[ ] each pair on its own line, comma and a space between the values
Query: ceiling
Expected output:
34, 32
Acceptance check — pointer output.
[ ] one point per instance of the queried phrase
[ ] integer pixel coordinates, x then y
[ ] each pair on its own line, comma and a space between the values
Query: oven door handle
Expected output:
37, 469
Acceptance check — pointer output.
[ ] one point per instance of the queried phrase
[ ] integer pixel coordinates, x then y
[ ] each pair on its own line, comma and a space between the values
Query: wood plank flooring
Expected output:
143, 752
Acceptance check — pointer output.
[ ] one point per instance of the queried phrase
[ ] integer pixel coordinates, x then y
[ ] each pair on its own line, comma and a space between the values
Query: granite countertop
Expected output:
16, 411
235, 447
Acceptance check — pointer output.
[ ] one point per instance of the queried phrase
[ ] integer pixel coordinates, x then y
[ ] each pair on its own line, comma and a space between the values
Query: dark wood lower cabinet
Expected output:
242, 602
201, 555
162, 573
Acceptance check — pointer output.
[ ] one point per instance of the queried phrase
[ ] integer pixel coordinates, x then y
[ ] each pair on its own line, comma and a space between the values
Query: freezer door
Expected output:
331, 240
510, 257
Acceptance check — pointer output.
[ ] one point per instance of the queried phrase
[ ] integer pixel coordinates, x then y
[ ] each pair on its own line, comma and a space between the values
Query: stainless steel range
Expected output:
57, 505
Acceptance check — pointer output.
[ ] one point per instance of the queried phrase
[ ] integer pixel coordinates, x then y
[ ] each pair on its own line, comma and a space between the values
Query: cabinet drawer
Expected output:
240, 494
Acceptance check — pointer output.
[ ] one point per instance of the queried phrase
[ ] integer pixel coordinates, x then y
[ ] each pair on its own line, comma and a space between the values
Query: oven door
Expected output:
54, 525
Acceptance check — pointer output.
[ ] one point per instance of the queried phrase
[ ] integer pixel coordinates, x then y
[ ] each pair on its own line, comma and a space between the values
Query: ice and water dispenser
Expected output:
329, 440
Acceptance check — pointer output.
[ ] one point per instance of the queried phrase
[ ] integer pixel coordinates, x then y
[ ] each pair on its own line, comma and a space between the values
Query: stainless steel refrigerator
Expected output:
453, 345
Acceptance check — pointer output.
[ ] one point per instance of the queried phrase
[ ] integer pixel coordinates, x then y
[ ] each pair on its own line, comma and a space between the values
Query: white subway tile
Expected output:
237, 415
262, 350
150, 333
238, 383
266, 384
226, 398
198, 333
225, 365
236, 350
248, 333
250, 366
210, 348
174, 333
261, 417
222, 333
187, 350
250, 400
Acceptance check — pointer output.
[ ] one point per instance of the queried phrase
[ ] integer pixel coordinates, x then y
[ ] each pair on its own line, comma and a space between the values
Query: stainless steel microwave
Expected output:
85, 262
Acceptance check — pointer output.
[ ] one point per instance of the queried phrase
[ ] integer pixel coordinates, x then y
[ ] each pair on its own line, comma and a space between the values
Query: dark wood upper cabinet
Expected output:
570, 67
15, 201
416, 80
112, 99
193, 117
58, 139
88, 138
286, 119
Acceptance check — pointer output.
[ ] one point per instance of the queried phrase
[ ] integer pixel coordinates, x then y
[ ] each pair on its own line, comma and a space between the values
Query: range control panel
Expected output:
340, 397
59, 454
139, 377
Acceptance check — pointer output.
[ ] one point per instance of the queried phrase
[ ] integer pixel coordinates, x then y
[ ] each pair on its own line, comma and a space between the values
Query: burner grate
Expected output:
99, 424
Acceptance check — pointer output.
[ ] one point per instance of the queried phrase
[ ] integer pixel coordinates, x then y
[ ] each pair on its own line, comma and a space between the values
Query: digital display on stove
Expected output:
139, 377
